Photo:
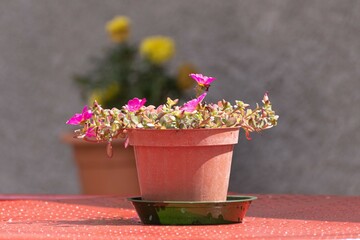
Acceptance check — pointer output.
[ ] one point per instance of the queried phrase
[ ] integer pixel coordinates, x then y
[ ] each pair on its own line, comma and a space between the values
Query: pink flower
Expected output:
90, 132
202, 81
80, 117
191, 105
135, 104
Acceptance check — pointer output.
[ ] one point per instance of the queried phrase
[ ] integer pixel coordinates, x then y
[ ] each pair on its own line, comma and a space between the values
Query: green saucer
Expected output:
232, 210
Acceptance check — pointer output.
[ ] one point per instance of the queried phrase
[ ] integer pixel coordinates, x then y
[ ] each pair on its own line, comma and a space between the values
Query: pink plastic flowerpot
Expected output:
184, 165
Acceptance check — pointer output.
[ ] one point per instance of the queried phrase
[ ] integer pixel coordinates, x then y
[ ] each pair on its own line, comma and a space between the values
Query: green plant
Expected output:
99, 124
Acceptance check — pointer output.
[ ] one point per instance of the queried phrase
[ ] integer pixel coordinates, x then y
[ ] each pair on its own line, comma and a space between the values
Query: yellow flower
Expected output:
111, 91
118, 28
157, 49
96, 95
104, 95
184, 81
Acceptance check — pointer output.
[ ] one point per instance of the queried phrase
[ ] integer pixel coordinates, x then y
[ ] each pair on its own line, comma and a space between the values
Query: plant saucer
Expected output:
232, 210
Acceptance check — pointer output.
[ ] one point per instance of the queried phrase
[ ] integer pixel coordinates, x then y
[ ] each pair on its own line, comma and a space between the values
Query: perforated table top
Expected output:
113, 217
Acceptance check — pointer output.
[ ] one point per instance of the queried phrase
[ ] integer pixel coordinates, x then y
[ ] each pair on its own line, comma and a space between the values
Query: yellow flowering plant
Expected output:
127, 69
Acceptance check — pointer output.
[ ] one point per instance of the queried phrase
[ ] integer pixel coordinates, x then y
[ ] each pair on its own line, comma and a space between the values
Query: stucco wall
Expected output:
305, 53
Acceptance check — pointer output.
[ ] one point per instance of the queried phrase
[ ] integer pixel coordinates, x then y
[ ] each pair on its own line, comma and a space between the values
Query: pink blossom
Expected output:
90, 132
202, 81
135, 104
80, 117
191, 105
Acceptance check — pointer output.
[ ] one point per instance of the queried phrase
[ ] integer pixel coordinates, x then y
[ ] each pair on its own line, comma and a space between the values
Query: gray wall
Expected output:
305, 53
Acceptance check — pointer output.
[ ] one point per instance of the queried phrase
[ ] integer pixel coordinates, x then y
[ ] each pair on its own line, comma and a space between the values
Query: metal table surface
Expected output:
113, 217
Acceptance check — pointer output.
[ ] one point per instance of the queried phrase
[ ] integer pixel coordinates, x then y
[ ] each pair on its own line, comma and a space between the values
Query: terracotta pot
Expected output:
184, 165
102, 175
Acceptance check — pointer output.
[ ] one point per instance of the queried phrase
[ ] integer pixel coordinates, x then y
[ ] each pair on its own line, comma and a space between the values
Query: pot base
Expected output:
232, 210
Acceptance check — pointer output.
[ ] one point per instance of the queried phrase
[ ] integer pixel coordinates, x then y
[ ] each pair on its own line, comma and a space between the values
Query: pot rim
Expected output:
183, 137
182, 129
230, 199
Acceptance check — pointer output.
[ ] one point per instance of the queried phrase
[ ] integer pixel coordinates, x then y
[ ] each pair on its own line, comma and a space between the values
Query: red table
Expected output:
112, 217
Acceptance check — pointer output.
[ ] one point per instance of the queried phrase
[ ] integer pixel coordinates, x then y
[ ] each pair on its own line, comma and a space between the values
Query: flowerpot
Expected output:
99, 174
184, 165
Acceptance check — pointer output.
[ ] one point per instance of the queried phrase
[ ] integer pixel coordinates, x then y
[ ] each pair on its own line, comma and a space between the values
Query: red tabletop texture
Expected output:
113, 217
